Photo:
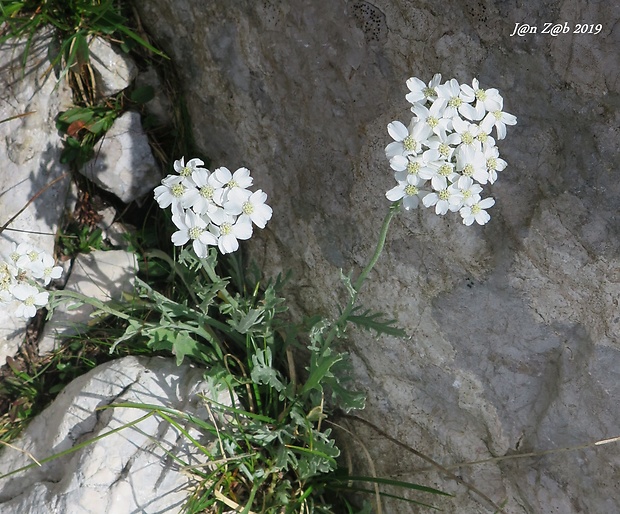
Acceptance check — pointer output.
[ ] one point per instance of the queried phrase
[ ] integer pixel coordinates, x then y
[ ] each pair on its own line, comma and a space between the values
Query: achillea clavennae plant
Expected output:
212, 208
446, 153
22, 276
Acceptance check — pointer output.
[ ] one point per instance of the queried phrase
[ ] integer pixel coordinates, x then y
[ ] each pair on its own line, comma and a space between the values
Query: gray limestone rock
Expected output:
113, 70
514, 341
132, 470
102, 275
30, 149
123, 162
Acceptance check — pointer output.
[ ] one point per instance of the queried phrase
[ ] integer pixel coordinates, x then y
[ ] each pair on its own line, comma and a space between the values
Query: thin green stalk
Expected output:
215, 279
394, 208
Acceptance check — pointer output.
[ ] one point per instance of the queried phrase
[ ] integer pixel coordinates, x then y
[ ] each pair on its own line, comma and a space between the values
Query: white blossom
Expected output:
486, 100
442, 200
419, 91
45, 270
244, 203
186, 171
471, 163
230, 231
173, 192
409, 191
30, 298
477, 212
439, 173
493, 162
448, 147
407, 140
225, 181
413, 165
498, 119
192, 227
433, 117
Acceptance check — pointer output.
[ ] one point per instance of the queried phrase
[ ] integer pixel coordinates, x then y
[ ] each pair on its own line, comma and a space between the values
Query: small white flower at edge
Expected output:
243, 202
45, 269
230, 230
409, 190
477, 212
30, 298
224, 181
192, 227
172, 192
419, 91
187, 170
498, 119
407, 140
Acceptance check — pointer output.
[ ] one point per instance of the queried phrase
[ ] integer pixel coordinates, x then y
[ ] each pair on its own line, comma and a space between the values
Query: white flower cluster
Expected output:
22, 277
212, 208
446, 153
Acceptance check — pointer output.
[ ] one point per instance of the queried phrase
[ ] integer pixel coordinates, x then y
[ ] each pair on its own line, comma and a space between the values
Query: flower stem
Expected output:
342, 319
394, 208
223, 293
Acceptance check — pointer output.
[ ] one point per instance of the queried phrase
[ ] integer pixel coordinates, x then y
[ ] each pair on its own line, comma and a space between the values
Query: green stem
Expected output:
216, 280
394, 208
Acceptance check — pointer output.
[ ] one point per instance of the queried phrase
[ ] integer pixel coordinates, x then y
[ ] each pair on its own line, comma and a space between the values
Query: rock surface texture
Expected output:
32, 175
123, 163
514, 326
132, 470
100, 275
30, 149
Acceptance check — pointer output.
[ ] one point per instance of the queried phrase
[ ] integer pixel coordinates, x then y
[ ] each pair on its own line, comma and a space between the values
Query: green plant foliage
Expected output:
75, 21
75, 239
84, 126
278, 452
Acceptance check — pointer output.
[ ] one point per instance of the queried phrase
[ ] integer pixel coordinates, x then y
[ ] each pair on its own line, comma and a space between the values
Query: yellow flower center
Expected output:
444, 149
492, 163
225, 229
445, 170
186, 171
413, 168
247, 208
410, 144
411, 190
481, 94
455, 102
177, 190
428, 92
194, 232
467, 138
207, 192
432, 121
443, 194
468, 170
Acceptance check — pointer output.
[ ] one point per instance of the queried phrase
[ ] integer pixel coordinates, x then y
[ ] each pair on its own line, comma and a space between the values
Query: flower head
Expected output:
498, 119
244, 203
477, 212
212, 209
45, 270
30, 298
230, 230
192, 227
447, 147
